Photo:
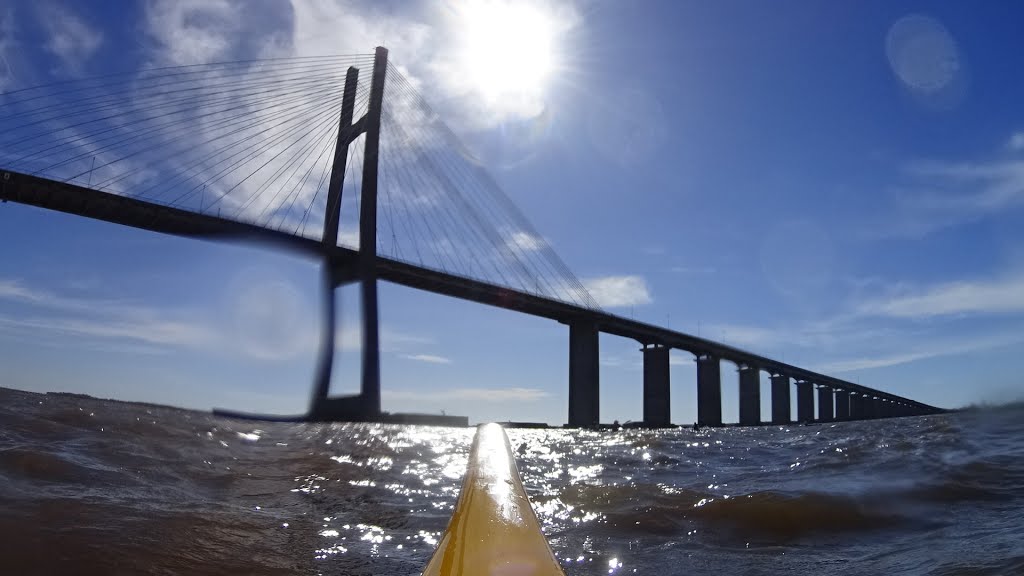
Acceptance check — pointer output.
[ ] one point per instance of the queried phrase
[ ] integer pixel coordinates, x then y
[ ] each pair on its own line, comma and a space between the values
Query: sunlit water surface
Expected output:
96, 487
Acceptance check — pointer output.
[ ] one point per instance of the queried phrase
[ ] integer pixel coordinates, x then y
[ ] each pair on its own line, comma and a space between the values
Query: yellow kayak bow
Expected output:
493, 530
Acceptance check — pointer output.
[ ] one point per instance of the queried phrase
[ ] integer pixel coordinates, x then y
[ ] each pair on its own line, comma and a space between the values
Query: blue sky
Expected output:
840, 186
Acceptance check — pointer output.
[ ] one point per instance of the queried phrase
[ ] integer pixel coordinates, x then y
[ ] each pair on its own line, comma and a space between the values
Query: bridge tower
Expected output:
366, 404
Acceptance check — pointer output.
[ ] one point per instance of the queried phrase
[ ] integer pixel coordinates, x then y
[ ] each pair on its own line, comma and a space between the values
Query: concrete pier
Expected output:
709, 391
750, 396
584, 375
804, 401
856, 406
870, 407
842, 405
826, 411
656, 387
780, 399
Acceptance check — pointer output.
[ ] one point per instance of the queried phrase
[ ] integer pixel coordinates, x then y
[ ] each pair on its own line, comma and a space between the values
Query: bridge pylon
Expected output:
366, 404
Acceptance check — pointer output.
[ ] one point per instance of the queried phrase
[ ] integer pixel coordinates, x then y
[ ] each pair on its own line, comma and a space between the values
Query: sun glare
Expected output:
508, 47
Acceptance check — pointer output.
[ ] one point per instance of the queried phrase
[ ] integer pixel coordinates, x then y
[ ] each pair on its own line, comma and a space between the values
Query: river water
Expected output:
97, 487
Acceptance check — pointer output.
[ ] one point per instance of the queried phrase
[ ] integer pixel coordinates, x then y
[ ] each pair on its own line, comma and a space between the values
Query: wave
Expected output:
771, 515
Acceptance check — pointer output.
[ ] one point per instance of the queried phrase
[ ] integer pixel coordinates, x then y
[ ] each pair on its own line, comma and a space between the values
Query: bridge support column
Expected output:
780, 399
826, 412
856, 406
657, 411
842, 405
870, 407
709, 391
750, 396
584, 375
805, 401
368, 236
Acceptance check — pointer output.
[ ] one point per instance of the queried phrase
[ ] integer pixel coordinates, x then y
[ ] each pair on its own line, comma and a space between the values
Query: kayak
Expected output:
493, 530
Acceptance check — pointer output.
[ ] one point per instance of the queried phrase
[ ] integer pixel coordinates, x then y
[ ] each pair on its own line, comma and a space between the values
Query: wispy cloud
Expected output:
939, 195
1016, 141
17, 291
618, 291
693, 270
7, 44
477, 394
350, 338
921, 351
628, 362
70, 38
265, 323
753, 337
102, 319
89, 322
192, 31
428, 358
144, 330
680, 361
996, 296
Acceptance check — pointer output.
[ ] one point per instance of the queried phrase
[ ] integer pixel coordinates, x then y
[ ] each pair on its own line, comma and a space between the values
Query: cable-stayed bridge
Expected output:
302, 153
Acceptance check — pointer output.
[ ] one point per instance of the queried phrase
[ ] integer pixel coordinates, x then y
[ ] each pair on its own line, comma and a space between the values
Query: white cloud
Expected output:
347, 27
1005, 295
479, 394
618, 291
349, 238
192, 31
71, 39
428, 358
524, 241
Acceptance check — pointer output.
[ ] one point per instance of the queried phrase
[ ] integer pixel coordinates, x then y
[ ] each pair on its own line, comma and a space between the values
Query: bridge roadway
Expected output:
90, 203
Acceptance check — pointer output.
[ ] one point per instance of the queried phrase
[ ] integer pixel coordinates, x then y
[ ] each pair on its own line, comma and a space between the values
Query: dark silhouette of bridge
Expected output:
207, 152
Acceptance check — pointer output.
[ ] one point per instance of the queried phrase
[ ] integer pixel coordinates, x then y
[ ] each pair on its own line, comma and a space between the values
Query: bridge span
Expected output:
837, 399
819, 397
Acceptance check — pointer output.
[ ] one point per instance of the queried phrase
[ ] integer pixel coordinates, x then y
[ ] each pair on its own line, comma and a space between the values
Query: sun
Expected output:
508, 49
